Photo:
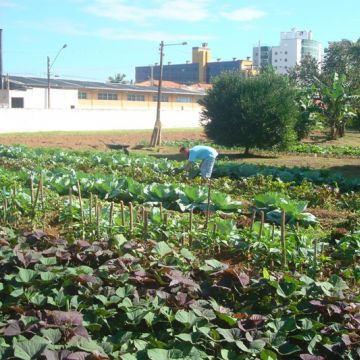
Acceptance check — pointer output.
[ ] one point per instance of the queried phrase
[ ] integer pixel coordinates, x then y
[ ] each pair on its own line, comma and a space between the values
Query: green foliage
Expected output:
335, 104
250, 112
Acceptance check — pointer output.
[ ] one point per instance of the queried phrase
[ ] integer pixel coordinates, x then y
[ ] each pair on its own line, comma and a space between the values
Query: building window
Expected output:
275, 60
164, 98
136, 97
107, 96
183, 99
82, 95
285, 52
275, 52
285, 60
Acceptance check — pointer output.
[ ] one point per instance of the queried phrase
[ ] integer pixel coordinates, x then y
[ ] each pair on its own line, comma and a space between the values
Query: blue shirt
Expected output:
201, 152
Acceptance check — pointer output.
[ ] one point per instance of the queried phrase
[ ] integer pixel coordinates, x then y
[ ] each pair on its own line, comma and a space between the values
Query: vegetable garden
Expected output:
107, 256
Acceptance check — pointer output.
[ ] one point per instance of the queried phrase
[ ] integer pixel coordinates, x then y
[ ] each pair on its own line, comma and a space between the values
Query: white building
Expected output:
294, 46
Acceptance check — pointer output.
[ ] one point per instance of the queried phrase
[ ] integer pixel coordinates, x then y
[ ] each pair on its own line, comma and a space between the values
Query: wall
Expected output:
35, 120
36, 98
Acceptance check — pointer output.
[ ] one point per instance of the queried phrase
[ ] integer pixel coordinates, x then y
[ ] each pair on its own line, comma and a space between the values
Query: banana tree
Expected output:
335, 104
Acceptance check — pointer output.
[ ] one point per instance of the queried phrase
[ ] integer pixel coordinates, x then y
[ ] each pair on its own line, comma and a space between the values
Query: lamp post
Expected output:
49, 66
156, 135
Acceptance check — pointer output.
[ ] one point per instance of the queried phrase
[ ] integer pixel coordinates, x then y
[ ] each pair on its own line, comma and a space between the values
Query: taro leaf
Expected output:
53, 335
317, 338
213, 265
47, 276
86, 345
311, 357
230, 335
186, 317
268, 355
227, 318
30, 349
25, 275
136, 315
65, 318
288, 348
285, 288
158, 354
162, 249
65, 355
338, 283
13, 328
38, 299
187, 254
118, 241
31, 257
228, 355
177, 278
257, 345
48, 260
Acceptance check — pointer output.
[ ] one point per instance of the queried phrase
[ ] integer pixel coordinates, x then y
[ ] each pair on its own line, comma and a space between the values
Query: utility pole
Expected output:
156, 134
49, 66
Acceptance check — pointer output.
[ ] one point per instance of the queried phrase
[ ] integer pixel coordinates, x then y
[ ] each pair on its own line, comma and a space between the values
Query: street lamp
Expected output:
49, 66
156, 135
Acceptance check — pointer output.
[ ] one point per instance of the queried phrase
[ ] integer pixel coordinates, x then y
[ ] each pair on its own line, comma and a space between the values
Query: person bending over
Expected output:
206, 154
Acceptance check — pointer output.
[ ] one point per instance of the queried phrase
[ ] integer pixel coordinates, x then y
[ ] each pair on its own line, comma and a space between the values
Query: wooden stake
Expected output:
253, 217
145, 222
208, 205
111, 214
161, 210
98, 217
272, 232
80, 202
90, 207
122, 213
190, 226
262, 221
32, 190
282, 238
131, 217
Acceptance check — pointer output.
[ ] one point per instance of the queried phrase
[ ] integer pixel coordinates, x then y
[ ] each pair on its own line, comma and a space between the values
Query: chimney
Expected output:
1, 63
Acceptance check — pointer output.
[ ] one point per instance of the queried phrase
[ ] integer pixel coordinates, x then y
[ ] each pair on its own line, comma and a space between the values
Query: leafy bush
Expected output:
251, 112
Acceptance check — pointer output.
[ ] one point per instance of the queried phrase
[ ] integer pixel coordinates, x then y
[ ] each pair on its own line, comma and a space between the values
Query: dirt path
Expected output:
95, 140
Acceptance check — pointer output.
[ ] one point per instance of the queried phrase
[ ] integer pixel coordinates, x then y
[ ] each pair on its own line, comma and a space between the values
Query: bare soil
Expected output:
95, 140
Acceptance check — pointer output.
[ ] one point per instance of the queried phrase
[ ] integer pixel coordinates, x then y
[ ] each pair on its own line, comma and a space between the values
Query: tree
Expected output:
305, 74
335, 104
343, 57
118, 79
252, 112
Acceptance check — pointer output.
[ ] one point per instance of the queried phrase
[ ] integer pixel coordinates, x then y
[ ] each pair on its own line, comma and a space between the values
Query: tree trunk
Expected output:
247, 150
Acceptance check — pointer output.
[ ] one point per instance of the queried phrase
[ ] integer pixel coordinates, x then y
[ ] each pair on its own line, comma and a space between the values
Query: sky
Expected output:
107, 37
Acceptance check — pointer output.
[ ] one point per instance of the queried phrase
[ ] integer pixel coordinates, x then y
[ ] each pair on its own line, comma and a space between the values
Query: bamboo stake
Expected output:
145, 222
131, 217
253, 216
98, 216
37, 193
80, 202
315, 257
190, 226
272, 232
5, 210
111, 214
166, 218
262, 220
32, 190
208, 205
122, 213
90, 207
282, 237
